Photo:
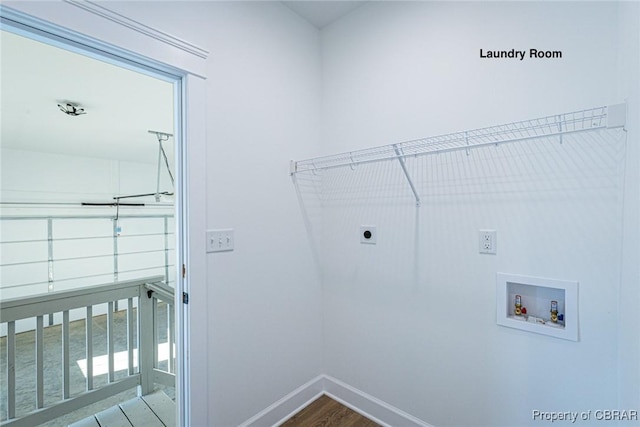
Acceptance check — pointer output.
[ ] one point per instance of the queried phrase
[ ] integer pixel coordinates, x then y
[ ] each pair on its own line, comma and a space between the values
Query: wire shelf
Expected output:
556, 125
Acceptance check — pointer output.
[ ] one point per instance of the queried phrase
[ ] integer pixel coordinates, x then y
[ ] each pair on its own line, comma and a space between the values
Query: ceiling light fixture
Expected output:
71, 109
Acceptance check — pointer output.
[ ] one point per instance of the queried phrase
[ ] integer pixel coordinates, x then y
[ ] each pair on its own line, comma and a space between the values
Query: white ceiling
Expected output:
121, 105
322, 13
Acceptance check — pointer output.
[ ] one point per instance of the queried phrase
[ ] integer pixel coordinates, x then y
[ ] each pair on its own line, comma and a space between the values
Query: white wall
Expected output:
411, 320
629, 86
263, 104
407, 321
30, 176
264, 98
424, 56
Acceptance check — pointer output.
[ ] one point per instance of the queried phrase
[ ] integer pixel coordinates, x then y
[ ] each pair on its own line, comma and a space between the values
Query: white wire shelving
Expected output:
556, 125
605, 117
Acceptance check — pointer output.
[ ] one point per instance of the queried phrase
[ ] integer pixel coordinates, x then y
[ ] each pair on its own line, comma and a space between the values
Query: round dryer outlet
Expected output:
368, 234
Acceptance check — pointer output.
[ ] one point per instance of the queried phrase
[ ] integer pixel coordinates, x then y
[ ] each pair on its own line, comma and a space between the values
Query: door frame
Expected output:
189, 101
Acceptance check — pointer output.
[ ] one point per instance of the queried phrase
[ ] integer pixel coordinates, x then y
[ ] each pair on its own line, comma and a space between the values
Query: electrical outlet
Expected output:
220, 240
487, 242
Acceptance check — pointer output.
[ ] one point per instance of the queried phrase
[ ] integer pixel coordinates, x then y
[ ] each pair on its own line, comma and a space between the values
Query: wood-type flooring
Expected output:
326, 412
152, 410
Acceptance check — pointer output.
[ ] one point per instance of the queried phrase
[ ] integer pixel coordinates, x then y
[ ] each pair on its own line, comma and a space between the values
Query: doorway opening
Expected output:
90, 230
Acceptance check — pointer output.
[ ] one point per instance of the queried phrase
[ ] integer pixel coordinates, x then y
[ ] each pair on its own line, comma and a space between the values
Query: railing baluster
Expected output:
65, 354
110, 343
172, 337
89, 349
156, 336
116, 233
166, 250
11, 370
130, 334
50, 257
39, 362
145, 342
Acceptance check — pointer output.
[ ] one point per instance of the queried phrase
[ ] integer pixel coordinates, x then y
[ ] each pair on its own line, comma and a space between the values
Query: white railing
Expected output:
144, 298
45, 253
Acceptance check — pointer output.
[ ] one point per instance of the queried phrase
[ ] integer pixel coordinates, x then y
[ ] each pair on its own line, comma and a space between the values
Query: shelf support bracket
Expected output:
560, 131
466, 141
406, 173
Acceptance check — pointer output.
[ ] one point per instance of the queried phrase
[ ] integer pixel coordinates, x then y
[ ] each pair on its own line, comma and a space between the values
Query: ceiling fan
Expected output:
71, 109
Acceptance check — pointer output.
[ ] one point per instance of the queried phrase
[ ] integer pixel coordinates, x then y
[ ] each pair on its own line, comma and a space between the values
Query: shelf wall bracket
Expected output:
617, 116
400, 158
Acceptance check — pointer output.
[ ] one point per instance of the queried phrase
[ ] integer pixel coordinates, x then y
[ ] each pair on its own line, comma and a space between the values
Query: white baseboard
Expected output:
371, 407
290, 404
361, 402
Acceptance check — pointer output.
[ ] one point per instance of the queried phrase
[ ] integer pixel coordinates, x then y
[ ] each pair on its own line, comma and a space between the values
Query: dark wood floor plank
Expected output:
326, 412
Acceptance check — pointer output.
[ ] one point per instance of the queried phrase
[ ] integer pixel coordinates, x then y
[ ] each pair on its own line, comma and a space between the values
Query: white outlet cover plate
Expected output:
221, 240
487, 242
373, 239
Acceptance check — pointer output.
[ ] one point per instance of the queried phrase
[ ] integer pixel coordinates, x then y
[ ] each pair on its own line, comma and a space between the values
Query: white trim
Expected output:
366, 405
371, 407
182, 372
285, 408
78, 23
139, 27
36, 28
196, 362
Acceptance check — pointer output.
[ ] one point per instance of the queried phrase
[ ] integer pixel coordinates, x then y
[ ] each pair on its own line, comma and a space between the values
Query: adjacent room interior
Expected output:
378, 211
87, 201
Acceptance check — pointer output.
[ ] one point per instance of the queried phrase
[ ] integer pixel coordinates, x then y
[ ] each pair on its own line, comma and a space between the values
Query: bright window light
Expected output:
120, 360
